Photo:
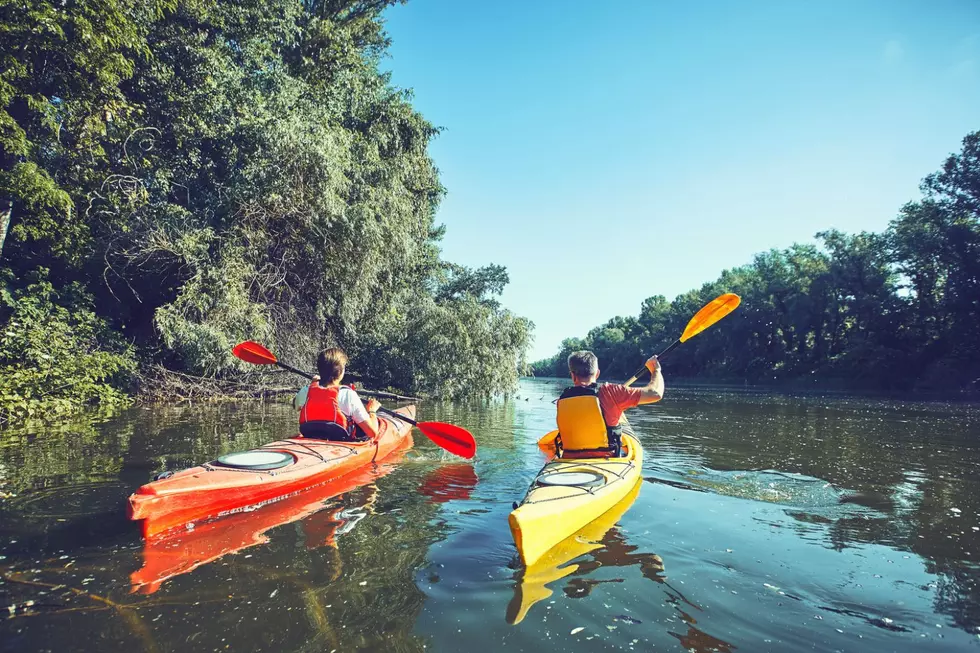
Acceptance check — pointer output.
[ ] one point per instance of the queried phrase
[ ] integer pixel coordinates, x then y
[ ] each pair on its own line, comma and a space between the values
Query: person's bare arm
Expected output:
654, 390
371, 426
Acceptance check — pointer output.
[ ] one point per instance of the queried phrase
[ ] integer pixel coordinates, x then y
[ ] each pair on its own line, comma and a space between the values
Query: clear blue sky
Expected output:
607, 152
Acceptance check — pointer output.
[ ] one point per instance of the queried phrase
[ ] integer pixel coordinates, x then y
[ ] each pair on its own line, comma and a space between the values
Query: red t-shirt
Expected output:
614, 399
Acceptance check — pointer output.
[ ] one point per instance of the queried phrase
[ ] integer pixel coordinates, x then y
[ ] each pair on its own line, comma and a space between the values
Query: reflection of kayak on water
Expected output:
165, 558
248, 479
533, 581
449, 482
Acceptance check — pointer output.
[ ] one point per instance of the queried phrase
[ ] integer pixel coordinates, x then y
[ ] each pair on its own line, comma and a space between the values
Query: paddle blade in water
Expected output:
252, 352
454, 439
711, 313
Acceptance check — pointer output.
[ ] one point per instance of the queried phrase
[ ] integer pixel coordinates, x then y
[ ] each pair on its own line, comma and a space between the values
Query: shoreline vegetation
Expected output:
795, 389
182, 175
177, 176
892, 312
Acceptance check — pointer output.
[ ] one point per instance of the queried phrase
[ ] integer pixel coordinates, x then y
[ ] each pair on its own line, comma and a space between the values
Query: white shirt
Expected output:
350, 404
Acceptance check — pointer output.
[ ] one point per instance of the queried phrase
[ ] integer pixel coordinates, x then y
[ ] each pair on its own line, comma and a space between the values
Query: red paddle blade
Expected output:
454, 439
252, 352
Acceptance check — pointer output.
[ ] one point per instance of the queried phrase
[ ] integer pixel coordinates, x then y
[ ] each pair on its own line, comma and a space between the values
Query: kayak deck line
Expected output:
588, 489
280, 447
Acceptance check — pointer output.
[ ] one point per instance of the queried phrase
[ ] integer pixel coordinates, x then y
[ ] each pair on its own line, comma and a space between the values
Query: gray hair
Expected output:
583, 364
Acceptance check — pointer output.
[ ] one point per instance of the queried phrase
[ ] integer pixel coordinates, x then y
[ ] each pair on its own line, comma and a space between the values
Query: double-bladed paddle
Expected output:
709, 314
454, 439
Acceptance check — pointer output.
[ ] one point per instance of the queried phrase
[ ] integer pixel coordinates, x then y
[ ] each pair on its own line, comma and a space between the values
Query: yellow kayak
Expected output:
569, 494
532, 586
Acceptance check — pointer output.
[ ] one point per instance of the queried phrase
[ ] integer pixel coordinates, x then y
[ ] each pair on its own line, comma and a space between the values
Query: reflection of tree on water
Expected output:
945, 531
63, 455
695, 640
615, 552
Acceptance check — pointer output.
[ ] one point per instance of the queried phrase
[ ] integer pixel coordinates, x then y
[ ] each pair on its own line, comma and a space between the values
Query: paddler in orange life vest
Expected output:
330, 411
589, 413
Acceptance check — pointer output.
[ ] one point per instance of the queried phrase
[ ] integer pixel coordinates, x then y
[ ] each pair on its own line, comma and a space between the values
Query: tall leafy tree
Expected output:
209, 172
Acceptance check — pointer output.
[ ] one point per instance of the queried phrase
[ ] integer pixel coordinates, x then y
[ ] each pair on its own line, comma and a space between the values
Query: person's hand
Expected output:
653, 364
373, 405
316, 378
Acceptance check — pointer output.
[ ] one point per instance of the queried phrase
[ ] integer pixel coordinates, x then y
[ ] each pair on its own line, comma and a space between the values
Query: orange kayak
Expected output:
167, 557
246, 480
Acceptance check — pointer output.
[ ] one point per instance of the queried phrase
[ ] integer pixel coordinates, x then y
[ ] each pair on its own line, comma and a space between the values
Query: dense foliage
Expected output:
891, 311
205, 172
55, 352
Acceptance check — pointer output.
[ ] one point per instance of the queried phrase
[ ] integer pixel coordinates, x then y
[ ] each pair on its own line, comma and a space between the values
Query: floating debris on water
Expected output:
626, 619
575, 631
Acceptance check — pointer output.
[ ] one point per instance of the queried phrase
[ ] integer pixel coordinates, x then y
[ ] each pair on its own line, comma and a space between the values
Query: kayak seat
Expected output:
585, 455
332, 431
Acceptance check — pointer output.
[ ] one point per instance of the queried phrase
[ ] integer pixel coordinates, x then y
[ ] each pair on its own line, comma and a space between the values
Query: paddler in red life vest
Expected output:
330, 411
589, 413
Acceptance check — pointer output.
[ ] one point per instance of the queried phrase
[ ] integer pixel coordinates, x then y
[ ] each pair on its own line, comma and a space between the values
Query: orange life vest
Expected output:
582, 428
321, 416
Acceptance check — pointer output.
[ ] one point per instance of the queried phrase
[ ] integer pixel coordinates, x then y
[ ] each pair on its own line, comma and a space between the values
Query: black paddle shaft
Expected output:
366, 393
382, 409
640, 371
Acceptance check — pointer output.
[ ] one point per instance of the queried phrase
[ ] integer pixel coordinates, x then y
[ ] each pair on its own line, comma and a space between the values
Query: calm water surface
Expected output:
763, 524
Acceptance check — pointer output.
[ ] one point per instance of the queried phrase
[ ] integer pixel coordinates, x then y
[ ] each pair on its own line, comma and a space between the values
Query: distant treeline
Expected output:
181, 175
897, 310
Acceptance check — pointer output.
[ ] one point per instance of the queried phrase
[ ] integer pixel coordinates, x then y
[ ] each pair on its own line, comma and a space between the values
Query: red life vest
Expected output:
323, 406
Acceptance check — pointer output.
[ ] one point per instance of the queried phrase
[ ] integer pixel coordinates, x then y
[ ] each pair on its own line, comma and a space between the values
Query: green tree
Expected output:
212, 172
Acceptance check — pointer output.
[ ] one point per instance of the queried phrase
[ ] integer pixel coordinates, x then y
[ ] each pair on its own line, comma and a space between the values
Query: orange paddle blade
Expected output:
252, 352
454, 439
548, 439
712, 312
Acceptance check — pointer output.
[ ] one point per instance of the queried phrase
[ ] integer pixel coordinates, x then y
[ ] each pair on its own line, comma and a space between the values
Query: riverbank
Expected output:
800, 388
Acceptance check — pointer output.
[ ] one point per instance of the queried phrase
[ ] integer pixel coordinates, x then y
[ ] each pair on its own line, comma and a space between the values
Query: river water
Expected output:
764, 523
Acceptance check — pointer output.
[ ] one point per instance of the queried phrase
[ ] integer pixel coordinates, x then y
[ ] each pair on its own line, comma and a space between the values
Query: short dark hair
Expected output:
330, 364
583, 364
